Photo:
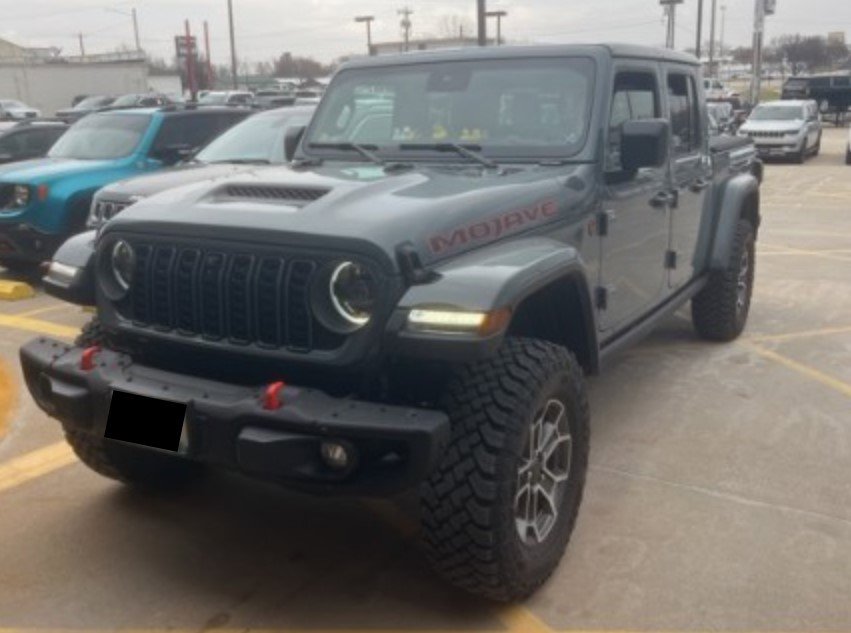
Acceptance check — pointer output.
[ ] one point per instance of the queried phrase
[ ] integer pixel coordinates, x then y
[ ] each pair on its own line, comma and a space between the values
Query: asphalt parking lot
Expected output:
719, 494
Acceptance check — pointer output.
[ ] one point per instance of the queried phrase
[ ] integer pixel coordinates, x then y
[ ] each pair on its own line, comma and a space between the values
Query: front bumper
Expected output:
22, 243
394, 447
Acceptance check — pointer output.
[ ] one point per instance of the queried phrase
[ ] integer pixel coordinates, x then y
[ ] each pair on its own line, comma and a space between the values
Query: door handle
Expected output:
699, 185
664, 199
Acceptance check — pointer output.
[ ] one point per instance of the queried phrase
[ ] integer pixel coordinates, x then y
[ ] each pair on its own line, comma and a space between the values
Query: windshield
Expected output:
524, 107
777, 113
92, 102
214, 98
126, 100
257, 139
101, 137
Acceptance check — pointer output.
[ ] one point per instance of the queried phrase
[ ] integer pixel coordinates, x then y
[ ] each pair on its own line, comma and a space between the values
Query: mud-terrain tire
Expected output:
848, 156
720, 310
801, 155
130, 465
473, 503
817, 148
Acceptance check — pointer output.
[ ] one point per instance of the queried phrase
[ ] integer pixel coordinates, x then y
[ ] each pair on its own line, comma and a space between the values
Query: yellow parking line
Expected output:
36, 464
519, 618
8, 397
38, 326
54, 308
791, 336
810, 372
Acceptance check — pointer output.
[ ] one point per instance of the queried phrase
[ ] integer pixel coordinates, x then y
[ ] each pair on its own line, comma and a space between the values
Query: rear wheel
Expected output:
848, 156
499, 510
720, 310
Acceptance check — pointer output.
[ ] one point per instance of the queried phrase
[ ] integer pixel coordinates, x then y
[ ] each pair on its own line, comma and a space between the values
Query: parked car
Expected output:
227, 98
268, 99
85, 107
785, 129
258, 140
28, 139
141, 100
14, 110
44, 201
308, 97
832, 92
413, 310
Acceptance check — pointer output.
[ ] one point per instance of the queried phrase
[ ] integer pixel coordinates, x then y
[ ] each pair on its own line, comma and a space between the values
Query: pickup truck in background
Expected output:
415, 303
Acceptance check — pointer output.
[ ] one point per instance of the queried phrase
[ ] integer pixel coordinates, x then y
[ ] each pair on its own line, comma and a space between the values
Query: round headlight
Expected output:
123, 264
353, 293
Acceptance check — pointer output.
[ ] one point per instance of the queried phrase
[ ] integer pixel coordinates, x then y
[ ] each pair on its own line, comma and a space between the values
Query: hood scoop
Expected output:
303, 195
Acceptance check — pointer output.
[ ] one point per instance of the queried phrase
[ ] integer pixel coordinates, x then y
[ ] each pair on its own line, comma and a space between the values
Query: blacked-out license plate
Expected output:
146, 421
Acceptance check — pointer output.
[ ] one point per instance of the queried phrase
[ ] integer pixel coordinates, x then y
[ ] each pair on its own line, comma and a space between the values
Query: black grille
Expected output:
239, 298
296, 194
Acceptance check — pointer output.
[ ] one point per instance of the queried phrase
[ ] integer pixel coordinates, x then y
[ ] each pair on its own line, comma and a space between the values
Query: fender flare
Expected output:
500, 276
739, 192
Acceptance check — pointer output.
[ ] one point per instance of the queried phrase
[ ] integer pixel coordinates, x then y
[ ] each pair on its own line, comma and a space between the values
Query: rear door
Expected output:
635, 214
691, 171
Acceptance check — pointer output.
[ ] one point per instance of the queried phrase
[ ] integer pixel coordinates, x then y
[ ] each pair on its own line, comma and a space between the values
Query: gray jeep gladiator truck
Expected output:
415, 302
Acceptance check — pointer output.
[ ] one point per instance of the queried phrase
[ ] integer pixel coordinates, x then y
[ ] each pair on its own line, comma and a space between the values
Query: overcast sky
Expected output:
325, 28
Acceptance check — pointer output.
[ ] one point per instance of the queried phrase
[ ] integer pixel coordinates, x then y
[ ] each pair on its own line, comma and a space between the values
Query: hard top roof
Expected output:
516, 52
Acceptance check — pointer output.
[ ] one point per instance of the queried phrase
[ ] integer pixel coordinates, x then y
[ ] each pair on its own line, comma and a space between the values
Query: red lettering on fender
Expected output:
492, 229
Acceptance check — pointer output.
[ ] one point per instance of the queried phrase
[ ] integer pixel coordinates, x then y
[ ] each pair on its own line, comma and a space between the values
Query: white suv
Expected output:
785, 129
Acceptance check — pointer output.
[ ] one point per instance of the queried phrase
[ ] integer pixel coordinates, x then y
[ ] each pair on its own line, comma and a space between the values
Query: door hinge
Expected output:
601, 297
670, 260
604, 222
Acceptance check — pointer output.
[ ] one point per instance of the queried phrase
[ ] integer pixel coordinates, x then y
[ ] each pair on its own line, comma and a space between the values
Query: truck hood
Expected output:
47, 169
440, 211
151, 184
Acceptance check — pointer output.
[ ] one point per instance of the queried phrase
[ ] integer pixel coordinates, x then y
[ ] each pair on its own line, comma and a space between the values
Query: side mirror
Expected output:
291, 140
644, 143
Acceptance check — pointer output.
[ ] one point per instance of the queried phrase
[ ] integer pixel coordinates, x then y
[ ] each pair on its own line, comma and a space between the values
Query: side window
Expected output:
636, 96
39, 141
685, 114
188, 131
11, 144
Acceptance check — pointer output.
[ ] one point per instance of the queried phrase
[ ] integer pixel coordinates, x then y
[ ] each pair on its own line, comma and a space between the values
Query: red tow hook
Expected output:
272, 397
87, 360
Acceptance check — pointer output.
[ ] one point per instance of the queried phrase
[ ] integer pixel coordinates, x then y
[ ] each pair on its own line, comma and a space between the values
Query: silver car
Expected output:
785, 129
14, 110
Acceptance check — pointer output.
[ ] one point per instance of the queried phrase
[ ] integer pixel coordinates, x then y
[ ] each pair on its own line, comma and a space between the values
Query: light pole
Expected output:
232, 46
498, 15
761, 10
699, 44
712, 38
367, 19
671, 8
406, 25
482, 19
132, 15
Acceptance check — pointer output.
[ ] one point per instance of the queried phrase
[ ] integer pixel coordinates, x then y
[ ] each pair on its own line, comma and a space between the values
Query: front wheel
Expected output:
848, 156
499, 510
720, 310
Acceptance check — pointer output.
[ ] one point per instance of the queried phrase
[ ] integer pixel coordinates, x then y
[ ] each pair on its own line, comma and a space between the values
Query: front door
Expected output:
635, 209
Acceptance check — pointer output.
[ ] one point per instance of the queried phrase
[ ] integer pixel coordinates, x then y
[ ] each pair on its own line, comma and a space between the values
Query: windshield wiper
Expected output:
467, 151
364, 150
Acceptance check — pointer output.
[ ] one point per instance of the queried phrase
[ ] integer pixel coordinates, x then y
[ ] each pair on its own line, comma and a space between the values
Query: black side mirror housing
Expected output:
291, 141
644, 143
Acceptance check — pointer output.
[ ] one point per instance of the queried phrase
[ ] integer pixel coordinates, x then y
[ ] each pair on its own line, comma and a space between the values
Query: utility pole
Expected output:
367, 19
671, 11
498, 15
482, 19
721, 39
232, 46
762, 9
136, 30
209, 58
406, 24
712, 38
190, 63
82, 46
699, 44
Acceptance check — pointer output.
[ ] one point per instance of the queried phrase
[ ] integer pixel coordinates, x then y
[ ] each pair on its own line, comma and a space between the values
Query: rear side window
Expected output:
39, 141
684, 113
191, 131
635, 97
12, 144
